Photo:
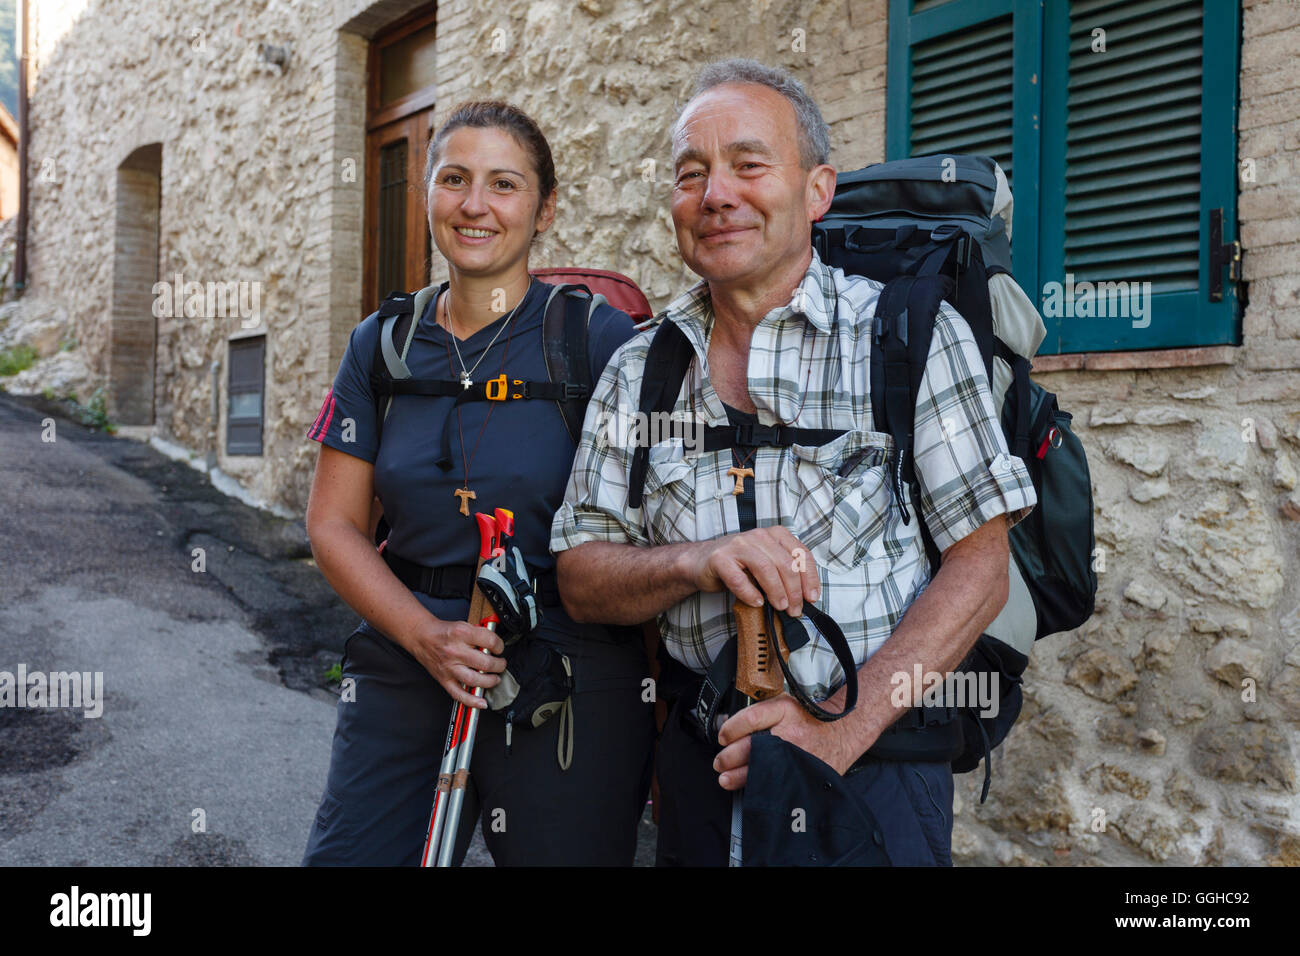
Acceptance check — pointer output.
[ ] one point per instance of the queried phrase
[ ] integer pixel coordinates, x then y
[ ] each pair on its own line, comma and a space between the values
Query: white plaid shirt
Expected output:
807, 369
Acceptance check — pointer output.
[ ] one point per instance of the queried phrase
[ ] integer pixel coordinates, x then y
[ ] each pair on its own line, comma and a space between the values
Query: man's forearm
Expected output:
937, 632
622, 583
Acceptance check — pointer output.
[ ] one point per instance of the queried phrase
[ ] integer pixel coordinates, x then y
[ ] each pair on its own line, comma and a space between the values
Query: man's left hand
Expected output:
831, 743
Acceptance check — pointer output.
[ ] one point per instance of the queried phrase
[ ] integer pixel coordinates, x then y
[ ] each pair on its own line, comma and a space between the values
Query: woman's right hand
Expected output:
340, 517
452, 652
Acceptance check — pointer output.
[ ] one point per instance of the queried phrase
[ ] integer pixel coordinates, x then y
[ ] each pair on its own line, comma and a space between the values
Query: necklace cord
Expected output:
466, 460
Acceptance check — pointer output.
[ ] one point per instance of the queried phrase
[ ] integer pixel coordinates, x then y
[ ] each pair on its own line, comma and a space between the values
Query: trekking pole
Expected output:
758, 677
491, 530
442, 825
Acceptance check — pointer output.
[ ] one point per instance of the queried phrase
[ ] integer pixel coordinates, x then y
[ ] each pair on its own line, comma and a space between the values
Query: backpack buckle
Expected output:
495, 388
574, 392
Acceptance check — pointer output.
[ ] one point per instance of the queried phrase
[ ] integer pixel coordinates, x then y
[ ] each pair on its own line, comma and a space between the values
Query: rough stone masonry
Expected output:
1163, 731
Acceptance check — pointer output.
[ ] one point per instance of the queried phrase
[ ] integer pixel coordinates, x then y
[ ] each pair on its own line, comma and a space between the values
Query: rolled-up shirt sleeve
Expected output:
595, 506
966, 473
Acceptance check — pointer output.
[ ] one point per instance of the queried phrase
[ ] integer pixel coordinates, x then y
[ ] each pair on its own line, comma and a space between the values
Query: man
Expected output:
781, 339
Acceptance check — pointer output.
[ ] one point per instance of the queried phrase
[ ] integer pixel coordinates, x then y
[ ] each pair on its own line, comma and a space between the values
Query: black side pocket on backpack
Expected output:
997, 667
1053, 545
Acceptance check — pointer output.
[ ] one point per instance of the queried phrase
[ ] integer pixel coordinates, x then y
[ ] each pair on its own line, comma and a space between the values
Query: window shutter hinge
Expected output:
1222, 255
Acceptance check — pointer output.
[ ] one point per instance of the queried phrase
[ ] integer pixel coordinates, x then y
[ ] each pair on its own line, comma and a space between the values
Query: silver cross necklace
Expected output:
465, 380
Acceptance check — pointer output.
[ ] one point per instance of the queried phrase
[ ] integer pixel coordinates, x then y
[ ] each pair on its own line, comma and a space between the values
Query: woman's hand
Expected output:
340, 523
451, 652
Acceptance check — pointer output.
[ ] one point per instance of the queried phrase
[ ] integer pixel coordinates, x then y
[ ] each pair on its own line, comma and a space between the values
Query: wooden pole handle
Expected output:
758, 675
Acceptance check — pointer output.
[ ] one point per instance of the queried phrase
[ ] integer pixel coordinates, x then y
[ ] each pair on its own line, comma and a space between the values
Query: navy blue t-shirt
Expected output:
519, 451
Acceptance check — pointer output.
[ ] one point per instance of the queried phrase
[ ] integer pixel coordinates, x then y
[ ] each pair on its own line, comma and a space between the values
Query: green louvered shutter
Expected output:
1144, 160
1133, 142
1123, 158
961, 93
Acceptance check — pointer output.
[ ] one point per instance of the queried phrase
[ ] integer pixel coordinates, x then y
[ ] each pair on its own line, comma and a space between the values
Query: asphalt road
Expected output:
216, 708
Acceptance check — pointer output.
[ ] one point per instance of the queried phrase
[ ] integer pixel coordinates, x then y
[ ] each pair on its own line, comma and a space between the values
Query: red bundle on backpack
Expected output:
620, 291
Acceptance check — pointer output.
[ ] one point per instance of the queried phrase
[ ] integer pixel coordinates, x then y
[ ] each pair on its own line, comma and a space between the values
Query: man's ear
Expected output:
821, 190
545, 215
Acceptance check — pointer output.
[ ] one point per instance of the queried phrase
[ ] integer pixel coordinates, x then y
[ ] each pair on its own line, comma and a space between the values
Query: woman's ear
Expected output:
545, 215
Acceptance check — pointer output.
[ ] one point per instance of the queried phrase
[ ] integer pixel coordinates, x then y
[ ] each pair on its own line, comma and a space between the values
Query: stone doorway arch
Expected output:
132, 324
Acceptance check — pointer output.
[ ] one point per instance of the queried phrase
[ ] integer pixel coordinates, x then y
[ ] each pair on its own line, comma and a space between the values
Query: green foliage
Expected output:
335, 674
94, 413
14, 360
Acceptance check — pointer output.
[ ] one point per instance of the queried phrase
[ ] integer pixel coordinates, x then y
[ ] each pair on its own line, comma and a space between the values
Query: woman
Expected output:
490, 183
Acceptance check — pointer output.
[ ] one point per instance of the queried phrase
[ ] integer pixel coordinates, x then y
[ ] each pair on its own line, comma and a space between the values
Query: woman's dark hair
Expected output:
494, 114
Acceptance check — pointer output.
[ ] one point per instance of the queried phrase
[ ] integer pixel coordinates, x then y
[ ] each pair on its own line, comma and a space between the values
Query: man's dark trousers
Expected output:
912, 802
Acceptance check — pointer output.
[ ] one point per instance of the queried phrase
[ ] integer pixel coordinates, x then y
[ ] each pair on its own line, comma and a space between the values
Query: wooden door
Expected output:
399, 122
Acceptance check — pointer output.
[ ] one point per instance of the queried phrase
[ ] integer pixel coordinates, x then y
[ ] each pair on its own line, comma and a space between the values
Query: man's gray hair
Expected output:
814, 137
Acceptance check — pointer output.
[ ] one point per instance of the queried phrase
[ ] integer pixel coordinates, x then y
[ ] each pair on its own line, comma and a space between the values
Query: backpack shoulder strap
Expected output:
396, 317
666, 363
900, 346
565, 324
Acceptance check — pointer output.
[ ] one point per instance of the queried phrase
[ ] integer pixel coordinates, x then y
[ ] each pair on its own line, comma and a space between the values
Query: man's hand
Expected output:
831, 743
773, 557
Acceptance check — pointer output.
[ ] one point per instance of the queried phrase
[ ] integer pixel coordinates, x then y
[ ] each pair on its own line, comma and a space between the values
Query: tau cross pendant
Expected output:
740, 475
465, 383
465, 495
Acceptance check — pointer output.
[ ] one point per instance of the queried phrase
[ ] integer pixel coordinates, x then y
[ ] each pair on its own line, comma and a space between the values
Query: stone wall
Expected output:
241, 171
604, 79
1136, 744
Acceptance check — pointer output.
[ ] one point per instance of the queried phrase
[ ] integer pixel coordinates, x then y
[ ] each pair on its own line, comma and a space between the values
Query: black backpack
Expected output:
931, 228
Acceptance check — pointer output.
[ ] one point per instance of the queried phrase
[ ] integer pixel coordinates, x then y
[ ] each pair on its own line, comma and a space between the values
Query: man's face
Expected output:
742, 206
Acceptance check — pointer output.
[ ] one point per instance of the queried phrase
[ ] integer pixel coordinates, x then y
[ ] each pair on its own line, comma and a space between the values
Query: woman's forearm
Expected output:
361, 578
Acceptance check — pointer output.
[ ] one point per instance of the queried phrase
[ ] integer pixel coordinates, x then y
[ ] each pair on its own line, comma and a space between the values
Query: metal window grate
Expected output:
392, 218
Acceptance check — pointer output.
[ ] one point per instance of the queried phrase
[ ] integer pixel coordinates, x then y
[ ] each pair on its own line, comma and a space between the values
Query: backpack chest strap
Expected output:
719, 437
499, 389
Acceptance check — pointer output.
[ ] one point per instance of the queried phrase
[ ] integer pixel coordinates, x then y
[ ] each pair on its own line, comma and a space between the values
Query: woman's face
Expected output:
484, 202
